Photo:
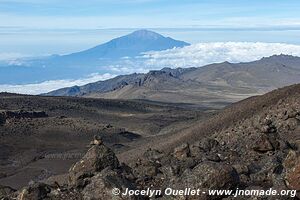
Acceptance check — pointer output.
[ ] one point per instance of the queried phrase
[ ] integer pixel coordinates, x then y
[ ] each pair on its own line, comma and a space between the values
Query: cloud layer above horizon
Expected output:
206, 53
39, 88
195, 55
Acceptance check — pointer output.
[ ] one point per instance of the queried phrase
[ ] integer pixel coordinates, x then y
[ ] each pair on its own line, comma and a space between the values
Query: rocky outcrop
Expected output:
102, 184
98, 172
19, 114
210, 175
95, 160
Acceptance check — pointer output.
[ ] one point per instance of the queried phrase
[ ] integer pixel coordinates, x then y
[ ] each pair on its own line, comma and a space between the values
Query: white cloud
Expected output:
196, 55
47, 86
206, 53
11, 56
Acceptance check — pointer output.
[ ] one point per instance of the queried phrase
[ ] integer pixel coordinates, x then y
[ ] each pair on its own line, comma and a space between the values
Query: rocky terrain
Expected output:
43, 136
259, 148
208, 85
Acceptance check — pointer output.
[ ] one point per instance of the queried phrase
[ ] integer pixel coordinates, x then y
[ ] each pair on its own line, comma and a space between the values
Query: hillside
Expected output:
43, 136
212, 84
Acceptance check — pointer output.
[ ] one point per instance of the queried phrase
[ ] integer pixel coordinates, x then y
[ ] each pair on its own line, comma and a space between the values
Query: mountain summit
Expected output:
144, 34
83, 63
129, 45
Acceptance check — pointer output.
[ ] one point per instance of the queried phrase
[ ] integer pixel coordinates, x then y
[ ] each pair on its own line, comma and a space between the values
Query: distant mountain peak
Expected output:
129, 45
145, 34
89, 61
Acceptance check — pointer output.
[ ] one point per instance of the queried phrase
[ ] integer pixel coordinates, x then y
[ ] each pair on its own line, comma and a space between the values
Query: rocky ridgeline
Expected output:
19, 114
260, 152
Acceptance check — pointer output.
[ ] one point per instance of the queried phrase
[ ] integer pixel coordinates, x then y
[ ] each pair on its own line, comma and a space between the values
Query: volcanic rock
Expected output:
263, 144
34, 192
96, 159
293, 178
102, 184
5, 191
210, 175
23, 114
182, 151
2, 118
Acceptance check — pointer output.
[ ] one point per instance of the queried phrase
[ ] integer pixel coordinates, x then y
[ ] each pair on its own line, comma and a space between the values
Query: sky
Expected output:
38, 27
92, 14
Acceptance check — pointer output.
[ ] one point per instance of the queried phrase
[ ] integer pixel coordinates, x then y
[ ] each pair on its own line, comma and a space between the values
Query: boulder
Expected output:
61, 179
153, 155
182, 151
35, 191
293, 177
210, 175
65, 194
207, 144
96, 159
146, 168
213, 157
262, 144
262, 178
102, 184
291, 160
292, 167
241, 169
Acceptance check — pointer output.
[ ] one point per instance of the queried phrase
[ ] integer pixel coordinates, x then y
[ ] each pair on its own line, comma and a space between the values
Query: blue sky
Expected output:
33, 27
148, 13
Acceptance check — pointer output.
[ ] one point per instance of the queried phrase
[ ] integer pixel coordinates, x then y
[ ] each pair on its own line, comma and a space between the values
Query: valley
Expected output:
34, 147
